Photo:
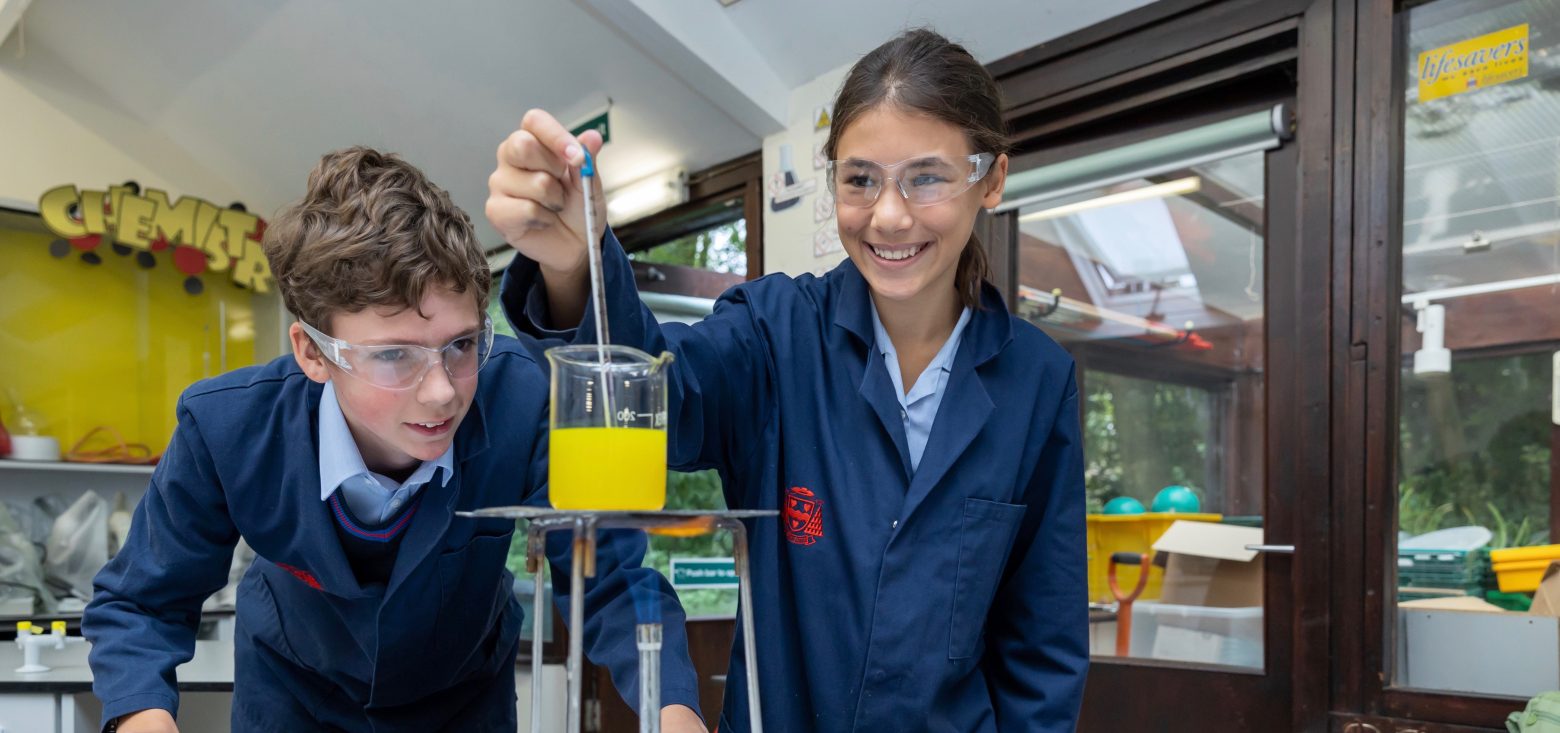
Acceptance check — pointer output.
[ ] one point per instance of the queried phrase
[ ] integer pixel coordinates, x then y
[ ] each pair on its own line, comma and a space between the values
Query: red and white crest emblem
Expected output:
803, 517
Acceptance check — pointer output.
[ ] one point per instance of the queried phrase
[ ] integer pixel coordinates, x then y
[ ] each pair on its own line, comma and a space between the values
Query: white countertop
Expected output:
210, 671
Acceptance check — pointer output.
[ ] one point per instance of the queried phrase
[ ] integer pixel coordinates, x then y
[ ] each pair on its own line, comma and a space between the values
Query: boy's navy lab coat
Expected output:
949, 599
432, 650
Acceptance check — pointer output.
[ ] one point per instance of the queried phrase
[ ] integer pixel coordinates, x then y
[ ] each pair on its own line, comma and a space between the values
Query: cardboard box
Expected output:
1209, 565
1453, 603
1546, 600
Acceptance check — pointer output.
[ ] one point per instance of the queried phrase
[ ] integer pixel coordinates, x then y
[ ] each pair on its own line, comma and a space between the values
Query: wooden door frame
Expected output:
1342, 326
1176, 62
1368, 347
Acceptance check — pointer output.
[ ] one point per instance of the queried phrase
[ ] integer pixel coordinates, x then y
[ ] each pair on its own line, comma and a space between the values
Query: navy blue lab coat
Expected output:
432, 650
951, 598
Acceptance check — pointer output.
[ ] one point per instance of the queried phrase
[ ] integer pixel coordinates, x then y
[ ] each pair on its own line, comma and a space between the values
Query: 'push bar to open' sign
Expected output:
704, 572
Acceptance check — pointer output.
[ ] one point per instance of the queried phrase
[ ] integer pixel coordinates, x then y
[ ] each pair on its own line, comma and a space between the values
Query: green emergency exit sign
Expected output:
599, 123
704, 572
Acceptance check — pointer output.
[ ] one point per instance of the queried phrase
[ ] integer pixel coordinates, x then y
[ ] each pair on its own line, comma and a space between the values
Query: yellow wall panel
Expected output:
111, 344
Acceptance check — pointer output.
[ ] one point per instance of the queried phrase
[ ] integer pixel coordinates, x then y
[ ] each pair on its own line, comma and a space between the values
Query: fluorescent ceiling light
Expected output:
1178, 187
647, 196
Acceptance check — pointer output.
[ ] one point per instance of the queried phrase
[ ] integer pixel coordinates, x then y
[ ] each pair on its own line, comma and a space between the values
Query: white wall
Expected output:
56, 129
789, 235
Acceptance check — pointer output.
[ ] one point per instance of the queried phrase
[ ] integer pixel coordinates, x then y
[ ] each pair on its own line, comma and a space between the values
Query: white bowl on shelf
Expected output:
35, 448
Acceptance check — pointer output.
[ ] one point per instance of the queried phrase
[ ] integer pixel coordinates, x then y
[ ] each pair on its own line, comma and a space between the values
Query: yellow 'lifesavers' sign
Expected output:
1471, 65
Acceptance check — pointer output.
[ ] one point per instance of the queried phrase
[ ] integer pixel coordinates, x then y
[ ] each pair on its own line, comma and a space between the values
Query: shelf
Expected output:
8, 620
14, 465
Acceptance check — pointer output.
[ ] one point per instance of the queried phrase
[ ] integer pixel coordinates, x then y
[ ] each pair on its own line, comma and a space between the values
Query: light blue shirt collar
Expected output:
919, 408
341, 461
930, 381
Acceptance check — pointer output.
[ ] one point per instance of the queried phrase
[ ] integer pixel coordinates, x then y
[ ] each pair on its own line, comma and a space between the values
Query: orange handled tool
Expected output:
1124, 600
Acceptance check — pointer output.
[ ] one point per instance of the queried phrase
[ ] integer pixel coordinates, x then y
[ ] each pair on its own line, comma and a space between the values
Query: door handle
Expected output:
1272, 549
1554, 392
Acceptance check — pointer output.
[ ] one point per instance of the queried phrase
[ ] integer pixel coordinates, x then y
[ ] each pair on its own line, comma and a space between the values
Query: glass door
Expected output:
1150, 264
1480, 293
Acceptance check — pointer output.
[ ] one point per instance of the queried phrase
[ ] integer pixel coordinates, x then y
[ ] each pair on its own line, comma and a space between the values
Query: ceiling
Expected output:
256, 90
802, 39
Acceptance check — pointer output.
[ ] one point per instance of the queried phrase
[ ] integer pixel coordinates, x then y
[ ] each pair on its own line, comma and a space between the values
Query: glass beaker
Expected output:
608, 443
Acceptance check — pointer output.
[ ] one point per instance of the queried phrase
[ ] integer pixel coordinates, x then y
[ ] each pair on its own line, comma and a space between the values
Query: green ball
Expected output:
1124, 505
1177, 499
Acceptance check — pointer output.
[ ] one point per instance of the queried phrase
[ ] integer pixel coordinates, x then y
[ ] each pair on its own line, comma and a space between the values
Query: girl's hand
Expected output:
534, 193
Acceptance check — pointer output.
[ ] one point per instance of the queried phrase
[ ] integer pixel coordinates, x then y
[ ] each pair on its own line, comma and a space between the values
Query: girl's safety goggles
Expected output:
923, 180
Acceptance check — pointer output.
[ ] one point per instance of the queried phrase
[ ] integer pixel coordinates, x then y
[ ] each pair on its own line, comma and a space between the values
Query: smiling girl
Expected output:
921, 443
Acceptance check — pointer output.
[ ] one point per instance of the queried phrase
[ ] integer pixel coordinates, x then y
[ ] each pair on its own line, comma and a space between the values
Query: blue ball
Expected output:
1124, 505
1177, 499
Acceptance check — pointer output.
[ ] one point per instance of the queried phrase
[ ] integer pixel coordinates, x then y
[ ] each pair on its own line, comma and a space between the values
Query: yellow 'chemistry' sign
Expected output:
1471, 65
228, 238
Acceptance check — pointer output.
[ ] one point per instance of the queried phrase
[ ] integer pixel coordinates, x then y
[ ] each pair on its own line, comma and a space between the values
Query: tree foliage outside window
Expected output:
721, 248
1474, 448
1141, 435
496, 311
697, 490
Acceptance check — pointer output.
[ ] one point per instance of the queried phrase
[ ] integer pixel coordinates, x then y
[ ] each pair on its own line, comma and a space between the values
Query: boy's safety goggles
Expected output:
403, 366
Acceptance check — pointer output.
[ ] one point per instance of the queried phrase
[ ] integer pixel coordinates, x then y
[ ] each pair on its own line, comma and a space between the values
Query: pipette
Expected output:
597, 287
593, 247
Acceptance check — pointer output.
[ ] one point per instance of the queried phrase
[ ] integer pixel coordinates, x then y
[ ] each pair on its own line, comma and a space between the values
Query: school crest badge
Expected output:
803, 516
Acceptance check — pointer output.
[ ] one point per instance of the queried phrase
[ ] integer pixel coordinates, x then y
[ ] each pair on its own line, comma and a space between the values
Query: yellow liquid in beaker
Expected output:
607, 468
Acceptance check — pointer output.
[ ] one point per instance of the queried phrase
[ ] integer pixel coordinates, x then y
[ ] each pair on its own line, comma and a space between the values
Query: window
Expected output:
1480, 268
1474, 449
699, 252
1126, 455
697, 490
720, 248
1154, 283
703, 263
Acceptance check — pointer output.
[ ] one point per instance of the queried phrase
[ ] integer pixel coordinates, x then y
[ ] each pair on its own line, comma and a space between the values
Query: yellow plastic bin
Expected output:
1519, 569
1112, 533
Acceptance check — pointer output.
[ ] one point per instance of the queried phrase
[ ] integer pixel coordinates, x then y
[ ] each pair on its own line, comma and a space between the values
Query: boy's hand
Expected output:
681, 719
534, 201
155, 720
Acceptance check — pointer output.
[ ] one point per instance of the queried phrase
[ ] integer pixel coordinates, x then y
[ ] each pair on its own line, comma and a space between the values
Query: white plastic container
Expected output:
1205, 634
1478, 653
34, 448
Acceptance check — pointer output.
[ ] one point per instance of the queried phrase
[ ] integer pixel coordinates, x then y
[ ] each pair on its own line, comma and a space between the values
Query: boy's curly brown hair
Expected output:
372, 230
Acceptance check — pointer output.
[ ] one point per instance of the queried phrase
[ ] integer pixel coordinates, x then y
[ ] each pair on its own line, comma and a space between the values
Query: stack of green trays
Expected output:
1519, 602
1465, 570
